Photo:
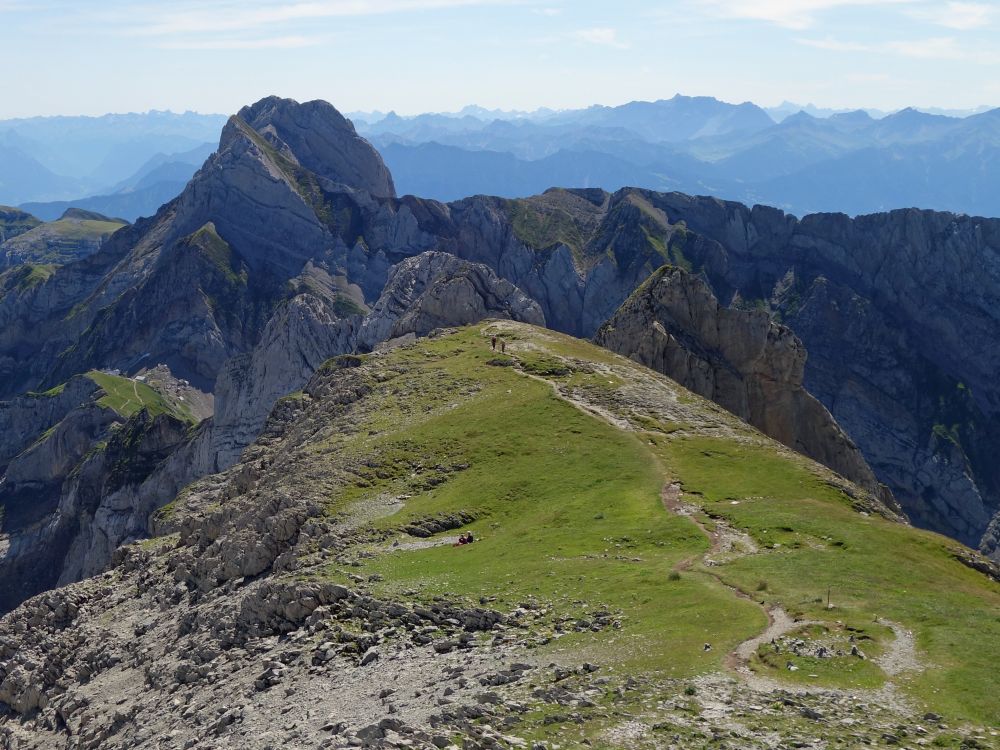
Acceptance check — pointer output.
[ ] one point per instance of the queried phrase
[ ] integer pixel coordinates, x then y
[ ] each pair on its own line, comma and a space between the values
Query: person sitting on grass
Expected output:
464, 539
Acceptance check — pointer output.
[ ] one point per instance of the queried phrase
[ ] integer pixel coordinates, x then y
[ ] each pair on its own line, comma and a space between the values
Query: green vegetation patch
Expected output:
126, 397
218, 252
76, 229
543, 227
814, 545
566, 510
32, 274
50, 393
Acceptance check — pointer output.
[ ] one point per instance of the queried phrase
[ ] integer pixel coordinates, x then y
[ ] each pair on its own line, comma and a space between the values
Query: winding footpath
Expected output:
726, 542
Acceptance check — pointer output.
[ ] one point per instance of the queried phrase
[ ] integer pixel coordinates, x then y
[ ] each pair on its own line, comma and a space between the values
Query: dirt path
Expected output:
901, 656
588, 408
727, 543
726, 540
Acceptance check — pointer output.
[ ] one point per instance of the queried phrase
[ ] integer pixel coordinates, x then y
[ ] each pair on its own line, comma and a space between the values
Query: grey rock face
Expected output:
24, 418
34, 534
108, 500
322, 140
740, 359
990, 543
296, 341
435, 290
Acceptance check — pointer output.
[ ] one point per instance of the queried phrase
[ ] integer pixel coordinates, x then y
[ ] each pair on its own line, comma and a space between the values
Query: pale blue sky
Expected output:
82, 57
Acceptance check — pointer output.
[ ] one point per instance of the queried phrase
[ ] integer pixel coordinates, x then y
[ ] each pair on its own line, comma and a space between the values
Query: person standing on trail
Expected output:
494, 342
503, 346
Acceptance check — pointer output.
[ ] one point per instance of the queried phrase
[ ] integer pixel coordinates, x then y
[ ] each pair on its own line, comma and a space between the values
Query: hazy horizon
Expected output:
437, 55
767, 106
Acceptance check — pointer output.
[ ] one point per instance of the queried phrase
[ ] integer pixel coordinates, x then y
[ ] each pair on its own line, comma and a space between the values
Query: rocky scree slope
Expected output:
310, 595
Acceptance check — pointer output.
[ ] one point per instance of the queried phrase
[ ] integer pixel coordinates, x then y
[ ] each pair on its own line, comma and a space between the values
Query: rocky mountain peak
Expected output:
316, 136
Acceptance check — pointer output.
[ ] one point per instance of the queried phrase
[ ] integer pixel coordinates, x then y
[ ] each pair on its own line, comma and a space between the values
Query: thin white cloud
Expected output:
961, 16
602, 36
791, 14
223, 15
834, 45
278, 42
934, 48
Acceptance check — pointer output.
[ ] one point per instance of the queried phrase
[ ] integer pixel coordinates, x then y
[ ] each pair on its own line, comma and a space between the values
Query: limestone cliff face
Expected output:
75, 492
24, 418
740, 359
323, 141
898, 314
34, 536
435, 290
296, 341
990, 543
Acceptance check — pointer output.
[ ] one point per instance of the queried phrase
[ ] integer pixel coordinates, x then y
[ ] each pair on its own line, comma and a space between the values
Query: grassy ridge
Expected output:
568, 511
568, 514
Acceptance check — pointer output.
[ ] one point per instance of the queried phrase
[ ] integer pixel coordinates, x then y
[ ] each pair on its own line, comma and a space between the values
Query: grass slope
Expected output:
568, 514
813, 543
127, 397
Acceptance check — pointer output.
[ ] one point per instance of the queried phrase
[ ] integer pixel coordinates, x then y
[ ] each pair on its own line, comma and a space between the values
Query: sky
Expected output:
411, 56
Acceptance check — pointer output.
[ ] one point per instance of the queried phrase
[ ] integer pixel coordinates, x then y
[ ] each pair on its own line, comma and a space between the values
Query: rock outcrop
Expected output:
319, 138
741, 359
435, 290
14, 221
75, 235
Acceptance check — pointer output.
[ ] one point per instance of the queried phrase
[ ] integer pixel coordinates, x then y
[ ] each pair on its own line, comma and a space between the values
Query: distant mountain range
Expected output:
803, 159
850, 162
44, 159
